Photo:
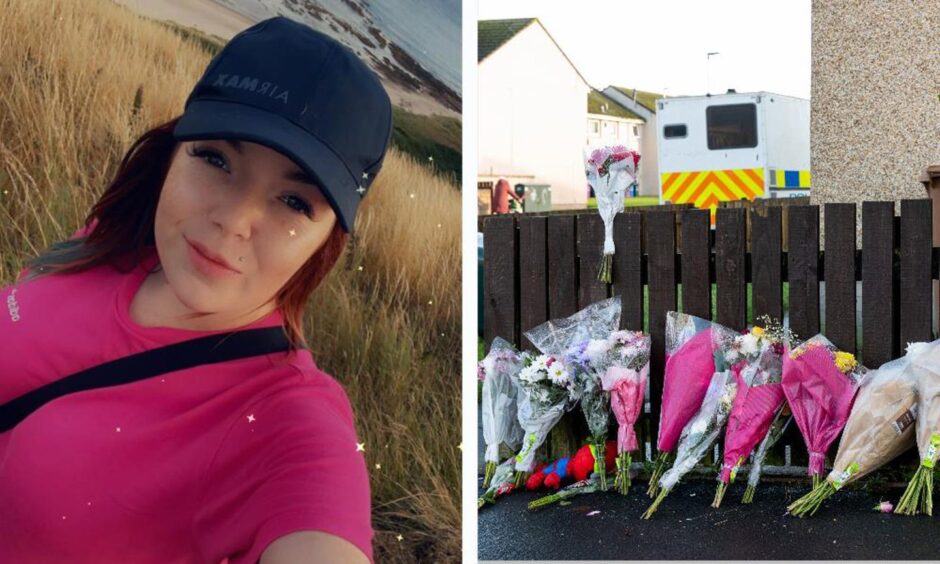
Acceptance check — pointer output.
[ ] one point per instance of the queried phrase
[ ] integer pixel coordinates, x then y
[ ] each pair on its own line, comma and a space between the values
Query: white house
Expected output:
643, 104
532, 110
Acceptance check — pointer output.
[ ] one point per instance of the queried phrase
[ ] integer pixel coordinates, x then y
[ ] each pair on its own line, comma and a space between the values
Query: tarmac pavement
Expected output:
686, 527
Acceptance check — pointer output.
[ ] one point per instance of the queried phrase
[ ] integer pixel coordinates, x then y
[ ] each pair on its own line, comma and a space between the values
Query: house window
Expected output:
636, 131
610, 129
731, 127
594, 127
675, 131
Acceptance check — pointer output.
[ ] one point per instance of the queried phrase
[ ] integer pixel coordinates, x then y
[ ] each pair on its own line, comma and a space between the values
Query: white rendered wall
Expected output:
532, 114
649, 166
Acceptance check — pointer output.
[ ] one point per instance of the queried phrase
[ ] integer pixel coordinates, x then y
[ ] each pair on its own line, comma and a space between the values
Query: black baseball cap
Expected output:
284, 85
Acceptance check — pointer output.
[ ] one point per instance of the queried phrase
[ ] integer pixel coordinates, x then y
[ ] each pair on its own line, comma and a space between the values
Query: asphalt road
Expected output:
686, 527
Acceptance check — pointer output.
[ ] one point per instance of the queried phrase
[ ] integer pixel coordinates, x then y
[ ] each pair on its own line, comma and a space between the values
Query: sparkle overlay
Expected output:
360, 447
251, 418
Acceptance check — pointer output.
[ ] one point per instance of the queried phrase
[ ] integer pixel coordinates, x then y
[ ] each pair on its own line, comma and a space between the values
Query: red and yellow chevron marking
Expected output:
705, 188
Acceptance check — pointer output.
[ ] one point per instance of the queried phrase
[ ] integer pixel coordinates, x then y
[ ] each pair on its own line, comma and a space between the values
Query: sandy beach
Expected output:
216, 19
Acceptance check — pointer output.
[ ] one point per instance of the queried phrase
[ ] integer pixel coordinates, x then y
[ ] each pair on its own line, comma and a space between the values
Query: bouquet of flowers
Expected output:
588, 485
626, 383
502, 483
610, 170
820, 383
919, 494
690, 364
757, 365
700, 433
777, 428
547, 391
500, 424
880, 427
604, 365
558, 338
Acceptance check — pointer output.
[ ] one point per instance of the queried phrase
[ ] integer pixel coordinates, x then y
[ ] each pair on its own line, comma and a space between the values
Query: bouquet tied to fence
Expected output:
757, 365
820, 383
498, 409
609, 170
701, 432
542, 402
918, 497
879, 428
690, 364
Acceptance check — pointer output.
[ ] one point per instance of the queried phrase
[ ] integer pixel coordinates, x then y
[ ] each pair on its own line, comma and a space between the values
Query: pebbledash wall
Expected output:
875, 110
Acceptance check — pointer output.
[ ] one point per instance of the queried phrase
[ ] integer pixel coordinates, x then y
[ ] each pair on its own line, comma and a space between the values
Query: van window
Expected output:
731, 127
673, 131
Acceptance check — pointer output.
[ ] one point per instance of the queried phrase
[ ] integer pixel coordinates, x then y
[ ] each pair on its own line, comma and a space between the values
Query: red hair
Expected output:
125, 215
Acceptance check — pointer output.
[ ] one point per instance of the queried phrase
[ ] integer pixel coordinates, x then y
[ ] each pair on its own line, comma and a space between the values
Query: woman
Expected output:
223, 219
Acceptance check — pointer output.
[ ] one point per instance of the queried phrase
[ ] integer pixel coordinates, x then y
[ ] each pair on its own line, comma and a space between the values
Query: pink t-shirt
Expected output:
199, 465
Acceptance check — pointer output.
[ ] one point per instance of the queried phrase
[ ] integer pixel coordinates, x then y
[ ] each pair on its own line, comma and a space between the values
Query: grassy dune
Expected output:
84, 78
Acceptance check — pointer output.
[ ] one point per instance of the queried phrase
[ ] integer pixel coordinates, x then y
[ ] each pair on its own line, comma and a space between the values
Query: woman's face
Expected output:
234, 199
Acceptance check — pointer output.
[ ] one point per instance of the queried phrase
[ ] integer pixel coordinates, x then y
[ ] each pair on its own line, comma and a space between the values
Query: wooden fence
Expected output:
544, 267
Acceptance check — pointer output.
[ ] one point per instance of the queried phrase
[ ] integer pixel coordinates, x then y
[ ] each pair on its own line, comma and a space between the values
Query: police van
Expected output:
732, 146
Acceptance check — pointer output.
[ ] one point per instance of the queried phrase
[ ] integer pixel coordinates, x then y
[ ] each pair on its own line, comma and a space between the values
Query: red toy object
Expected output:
578, 467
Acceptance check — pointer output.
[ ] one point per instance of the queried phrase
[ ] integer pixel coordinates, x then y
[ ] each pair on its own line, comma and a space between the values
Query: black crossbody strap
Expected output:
187, 354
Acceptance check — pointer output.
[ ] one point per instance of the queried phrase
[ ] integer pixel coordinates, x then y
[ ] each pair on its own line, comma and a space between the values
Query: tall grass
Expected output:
82, 79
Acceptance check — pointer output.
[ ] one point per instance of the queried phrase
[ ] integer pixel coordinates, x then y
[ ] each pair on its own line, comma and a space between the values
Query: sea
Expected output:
428, 30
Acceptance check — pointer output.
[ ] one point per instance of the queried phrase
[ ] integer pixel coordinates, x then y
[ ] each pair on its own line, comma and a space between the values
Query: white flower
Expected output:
531, 374
731, 355
557, 374
542, 395
540, 362
749, 345
596, 349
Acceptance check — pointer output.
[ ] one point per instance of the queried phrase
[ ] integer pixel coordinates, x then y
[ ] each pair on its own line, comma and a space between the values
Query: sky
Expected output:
663, 45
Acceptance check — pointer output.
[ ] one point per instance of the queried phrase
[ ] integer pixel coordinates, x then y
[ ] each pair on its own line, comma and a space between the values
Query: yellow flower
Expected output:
757, 331
845, 362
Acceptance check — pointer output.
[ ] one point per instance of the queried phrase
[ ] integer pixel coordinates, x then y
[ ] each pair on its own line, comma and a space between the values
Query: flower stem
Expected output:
622, 480
810, 503
918, 497
659, 499
748, 494
816, 481
658, 469
521, 479
600, 464
488, 474
719, 494
546, 501
605, 269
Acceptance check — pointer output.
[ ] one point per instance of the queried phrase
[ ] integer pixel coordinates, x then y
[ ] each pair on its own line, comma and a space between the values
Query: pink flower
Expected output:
481, 373
619, 153
598, 156
885, 507
636, 159
550, 361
